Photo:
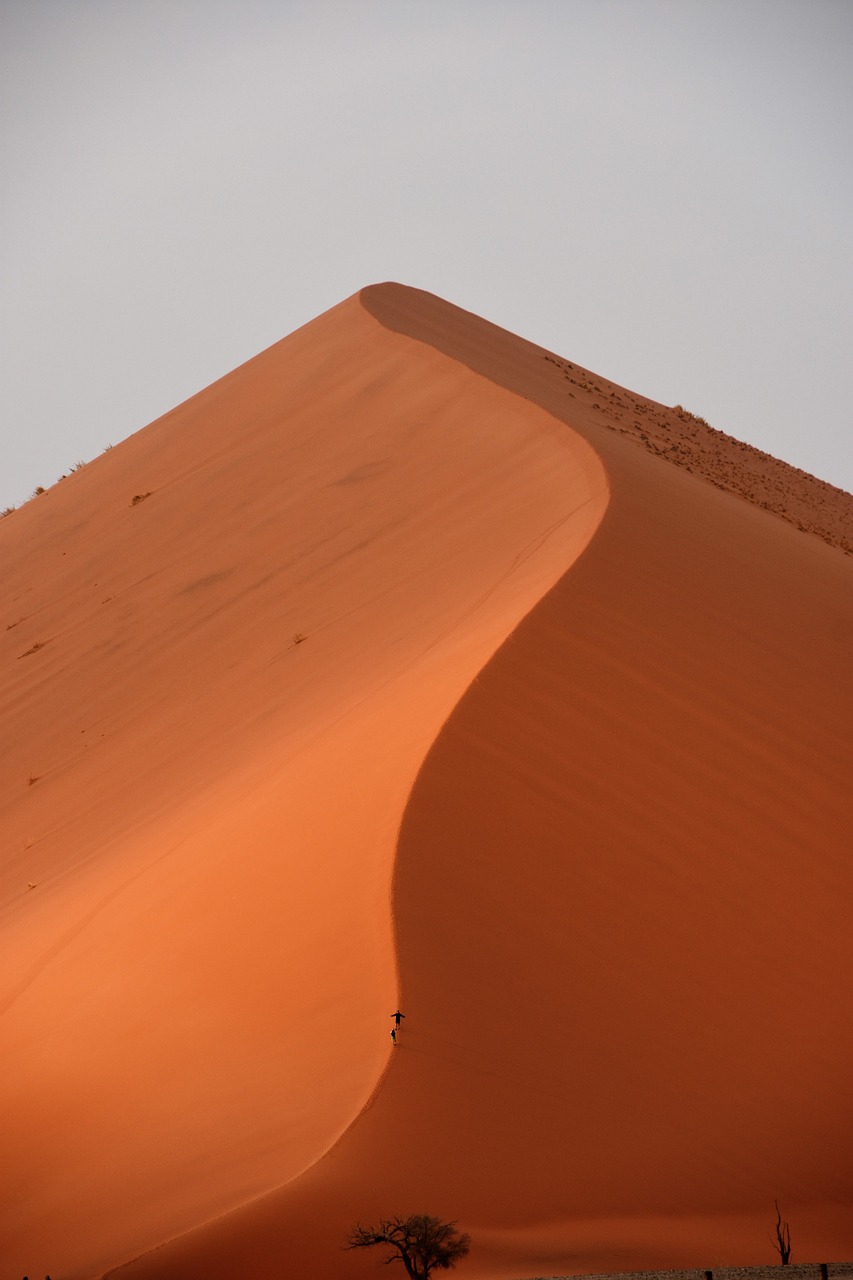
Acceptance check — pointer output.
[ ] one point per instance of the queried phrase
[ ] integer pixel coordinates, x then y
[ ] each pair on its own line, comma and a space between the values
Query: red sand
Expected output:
562, 764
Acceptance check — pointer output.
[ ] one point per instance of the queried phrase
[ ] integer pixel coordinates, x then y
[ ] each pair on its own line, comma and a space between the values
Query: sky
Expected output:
659, 190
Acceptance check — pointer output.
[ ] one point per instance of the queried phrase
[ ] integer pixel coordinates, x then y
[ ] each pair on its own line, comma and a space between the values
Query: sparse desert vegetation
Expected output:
423, 1244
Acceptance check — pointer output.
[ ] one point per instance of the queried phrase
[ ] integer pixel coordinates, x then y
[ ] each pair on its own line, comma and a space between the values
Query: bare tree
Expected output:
422, 1244
783, 1237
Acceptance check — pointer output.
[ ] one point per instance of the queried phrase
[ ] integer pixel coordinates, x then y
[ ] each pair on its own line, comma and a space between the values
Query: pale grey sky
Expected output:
660, 190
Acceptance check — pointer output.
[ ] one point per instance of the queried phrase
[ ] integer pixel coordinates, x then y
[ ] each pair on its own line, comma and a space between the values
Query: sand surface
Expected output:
390, 668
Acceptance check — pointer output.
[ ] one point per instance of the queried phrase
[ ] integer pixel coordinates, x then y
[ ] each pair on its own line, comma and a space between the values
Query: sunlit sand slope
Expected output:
227, 646
623, 895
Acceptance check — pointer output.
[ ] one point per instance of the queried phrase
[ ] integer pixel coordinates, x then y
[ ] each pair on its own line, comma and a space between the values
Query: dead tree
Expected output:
783, 1237
422, 1244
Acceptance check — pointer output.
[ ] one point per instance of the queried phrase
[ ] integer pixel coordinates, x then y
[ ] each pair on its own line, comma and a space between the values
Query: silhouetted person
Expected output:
397, 1016
393, 1041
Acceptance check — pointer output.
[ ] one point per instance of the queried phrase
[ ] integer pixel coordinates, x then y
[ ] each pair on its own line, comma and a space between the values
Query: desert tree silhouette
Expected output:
782, 1242
421, 1243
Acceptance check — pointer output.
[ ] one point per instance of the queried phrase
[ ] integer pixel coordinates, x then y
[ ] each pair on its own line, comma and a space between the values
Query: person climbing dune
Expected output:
397, 1016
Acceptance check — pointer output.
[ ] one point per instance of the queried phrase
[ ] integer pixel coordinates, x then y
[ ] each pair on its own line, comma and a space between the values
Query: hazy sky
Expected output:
660, 190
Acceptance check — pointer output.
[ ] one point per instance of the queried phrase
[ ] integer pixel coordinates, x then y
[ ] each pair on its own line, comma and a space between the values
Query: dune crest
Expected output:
577, 395
229, 644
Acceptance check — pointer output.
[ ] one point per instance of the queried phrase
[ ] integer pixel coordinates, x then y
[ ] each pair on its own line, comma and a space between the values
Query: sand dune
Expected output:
413, 678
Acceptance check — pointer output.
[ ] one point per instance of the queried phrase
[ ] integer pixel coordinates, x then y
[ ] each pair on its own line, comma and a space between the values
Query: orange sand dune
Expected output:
562, 764
196, 988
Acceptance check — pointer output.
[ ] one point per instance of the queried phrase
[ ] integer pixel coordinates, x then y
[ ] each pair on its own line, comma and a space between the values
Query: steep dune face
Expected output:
228, 645
622, 893
647, 794
649, 813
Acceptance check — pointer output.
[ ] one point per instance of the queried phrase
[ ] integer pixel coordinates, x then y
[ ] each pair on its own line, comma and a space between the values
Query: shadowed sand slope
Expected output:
228, 646
613, 791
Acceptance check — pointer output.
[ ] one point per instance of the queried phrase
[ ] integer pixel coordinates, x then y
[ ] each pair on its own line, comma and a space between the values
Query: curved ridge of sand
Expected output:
623, 890
670, 433
228, 644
